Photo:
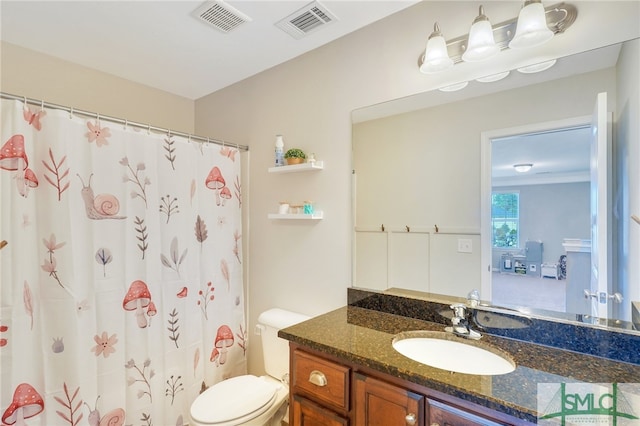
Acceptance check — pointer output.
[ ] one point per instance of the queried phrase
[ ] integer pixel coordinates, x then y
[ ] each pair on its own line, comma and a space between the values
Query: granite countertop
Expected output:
364, 337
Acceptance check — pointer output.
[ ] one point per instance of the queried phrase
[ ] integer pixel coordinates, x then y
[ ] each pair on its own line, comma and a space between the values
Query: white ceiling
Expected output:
557, 156
160, 44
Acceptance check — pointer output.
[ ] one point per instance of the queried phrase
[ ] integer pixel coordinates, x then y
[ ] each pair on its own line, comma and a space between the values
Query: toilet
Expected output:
250, 400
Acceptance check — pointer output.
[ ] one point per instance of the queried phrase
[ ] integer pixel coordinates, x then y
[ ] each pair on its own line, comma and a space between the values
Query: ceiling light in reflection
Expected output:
494, 77
523, 168
542, 66
454, 87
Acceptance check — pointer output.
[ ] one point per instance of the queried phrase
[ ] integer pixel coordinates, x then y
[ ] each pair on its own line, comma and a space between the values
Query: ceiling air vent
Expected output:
306, 20
220, 15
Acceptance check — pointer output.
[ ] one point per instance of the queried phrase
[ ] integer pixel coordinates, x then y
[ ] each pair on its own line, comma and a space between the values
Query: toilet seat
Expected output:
235, 401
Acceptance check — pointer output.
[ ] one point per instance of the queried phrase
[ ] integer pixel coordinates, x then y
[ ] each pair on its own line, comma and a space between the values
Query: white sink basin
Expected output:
452, 353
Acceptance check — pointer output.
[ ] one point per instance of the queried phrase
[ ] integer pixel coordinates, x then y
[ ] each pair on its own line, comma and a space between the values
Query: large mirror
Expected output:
419, 174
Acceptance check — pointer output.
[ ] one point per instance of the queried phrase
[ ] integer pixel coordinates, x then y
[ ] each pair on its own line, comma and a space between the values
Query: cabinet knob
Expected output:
410, 419
318, 378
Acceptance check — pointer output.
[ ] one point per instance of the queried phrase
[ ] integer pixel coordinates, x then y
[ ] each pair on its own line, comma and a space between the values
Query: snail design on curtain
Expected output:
101, 206
112, 418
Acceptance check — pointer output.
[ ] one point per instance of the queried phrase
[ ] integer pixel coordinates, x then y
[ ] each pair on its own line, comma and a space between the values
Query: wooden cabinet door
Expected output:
306, 413
377, 403
441, 414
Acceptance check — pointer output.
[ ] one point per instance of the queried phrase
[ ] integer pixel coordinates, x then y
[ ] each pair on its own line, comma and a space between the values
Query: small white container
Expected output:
311, 158
284, 208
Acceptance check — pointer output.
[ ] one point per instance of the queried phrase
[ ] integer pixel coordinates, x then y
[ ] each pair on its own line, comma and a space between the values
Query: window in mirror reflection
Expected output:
505, 212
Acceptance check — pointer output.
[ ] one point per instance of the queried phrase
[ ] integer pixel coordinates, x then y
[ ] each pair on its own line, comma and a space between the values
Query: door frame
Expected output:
485, 186
601, 184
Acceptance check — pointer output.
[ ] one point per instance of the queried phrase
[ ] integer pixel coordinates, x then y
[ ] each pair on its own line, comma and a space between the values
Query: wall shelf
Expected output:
304, 167
297, 216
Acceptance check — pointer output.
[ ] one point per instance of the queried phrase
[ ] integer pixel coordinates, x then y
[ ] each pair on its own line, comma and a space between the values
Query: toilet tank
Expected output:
275, 351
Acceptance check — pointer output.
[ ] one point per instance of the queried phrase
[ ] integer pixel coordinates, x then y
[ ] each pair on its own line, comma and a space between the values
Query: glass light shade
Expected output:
531, 29
480, 45
436, 56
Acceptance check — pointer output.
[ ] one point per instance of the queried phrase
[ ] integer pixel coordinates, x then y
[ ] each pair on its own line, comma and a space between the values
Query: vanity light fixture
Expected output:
436, 57
522, 168
528, 30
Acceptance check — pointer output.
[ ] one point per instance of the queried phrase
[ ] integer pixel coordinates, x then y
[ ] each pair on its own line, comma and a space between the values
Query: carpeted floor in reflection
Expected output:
522, 290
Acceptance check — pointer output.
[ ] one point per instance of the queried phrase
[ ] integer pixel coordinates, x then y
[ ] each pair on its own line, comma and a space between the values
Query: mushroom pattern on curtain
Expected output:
121, 268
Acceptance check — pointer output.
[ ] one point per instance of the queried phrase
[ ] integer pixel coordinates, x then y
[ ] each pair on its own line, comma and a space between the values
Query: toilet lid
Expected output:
234, 398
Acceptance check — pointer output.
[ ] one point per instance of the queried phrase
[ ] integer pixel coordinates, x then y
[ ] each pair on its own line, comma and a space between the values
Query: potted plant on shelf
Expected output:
294, 156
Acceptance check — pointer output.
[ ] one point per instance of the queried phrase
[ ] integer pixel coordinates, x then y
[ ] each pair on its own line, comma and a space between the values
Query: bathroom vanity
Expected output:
344, 370
327, 390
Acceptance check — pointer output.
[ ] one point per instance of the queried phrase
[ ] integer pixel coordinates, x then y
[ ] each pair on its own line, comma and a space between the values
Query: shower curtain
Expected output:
121, 268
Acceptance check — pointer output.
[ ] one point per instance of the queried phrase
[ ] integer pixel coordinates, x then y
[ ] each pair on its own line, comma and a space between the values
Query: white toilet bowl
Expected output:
249, 400
243, 400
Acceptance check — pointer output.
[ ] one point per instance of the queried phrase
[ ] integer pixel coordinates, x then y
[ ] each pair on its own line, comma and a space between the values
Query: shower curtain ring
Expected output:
41, 104
71, 113
126, 123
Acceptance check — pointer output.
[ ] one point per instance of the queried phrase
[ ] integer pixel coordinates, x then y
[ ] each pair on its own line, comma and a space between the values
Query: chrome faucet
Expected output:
460, 325
473, 298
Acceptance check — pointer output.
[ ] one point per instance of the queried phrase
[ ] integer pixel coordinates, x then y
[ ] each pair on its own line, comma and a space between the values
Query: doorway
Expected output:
544, 167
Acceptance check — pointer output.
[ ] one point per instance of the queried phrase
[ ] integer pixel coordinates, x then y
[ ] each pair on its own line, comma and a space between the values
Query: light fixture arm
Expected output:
559, 17
481, 16
436, 31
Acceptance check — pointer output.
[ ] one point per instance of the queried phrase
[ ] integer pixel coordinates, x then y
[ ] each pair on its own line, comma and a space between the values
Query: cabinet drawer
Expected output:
323, 381
306, 413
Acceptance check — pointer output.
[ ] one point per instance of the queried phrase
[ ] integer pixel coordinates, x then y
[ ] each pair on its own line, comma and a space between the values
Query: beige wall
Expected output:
302, 266
28, 73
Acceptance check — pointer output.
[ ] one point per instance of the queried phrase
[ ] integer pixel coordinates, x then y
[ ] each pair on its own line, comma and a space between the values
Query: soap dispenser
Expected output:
279, 151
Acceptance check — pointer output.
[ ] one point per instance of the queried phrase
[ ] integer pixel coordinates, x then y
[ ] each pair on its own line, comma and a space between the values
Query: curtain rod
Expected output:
95, 115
